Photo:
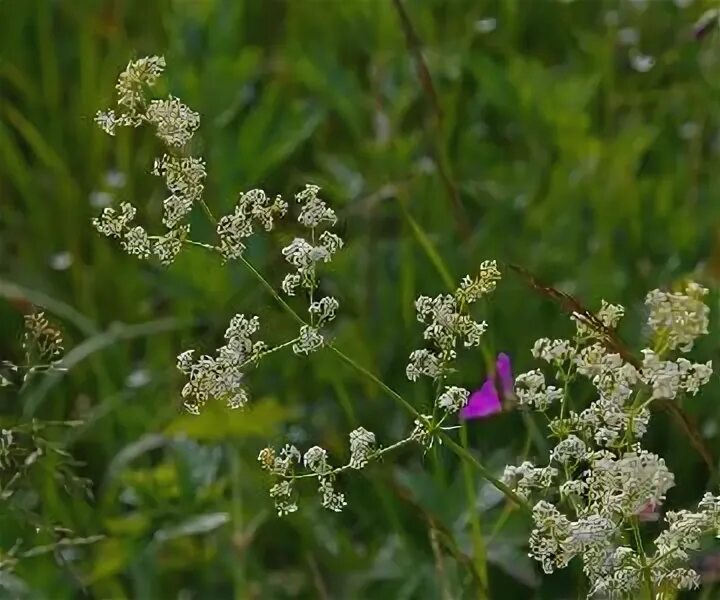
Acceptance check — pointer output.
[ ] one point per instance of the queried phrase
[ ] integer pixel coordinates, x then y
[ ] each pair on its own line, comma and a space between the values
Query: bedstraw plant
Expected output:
588, 500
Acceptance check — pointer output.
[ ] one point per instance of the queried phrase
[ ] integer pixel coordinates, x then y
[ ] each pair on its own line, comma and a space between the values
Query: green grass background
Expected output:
545, 147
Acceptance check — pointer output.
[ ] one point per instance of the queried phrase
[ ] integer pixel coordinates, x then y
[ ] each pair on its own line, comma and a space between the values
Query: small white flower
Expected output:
324, 309
290, 283
693, 375
252, 206
309, 340
106, 120
526, 477
314, 211
473, 288
552, 351
136, 242
362, 445
184, 180
330, 242
331, 499
453, 399
282, 494
420, 433
678, 318
423, 362
472, 331
315, 459
220, 377
571, 450
531, 391
137, 75
297, 253
175, 122
168, 246
111, 223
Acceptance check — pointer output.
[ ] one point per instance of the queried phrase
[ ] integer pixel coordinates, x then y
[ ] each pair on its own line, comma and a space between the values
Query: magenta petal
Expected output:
483, 402
504, 373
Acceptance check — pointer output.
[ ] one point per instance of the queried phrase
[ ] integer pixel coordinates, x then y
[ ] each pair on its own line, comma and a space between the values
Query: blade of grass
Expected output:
429, 249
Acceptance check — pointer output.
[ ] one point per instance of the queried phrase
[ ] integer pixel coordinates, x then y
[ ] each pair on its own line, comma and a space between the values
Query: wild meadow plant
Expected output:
588, 499
31, 448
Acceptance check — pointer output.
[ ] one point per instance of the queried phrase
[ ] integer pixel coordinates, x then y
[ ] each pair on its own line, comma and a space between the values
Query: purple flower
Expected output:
486, 401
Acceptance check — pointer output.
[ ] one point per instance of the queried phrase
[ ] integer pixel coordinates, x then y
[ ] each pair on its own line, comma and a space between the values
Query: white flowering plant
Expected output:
222, 376
599, 486
591, 494
32, 447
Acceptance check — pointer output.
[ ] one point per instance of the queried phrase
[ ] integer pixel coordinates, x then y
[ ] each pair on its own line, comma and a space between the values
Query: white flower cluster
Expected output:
283, 469
184, 180
6, 445
532, 392
174, 124
609, 315
281, 466
599, 480
362, 446
252, 206
668, 377
315, 460
131, 84
526, 477
137, 75
305, 256
220, 377
678, 318
453, 398
447, 321
421, 432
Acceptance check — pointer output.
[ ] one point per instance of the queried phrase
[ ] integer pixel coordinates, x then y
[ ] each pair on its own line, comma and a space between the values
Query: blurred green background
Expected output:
578, 139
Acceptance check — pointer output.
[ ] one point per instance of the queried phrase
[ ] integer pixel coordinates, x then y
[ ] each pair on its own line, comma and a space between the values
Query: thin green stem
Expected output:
435, 453
643, 559
272, 350
193, 243
479, 552
347, 467
483, 471
507, 511
272, 291
208, 212
313, 284
387, 389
